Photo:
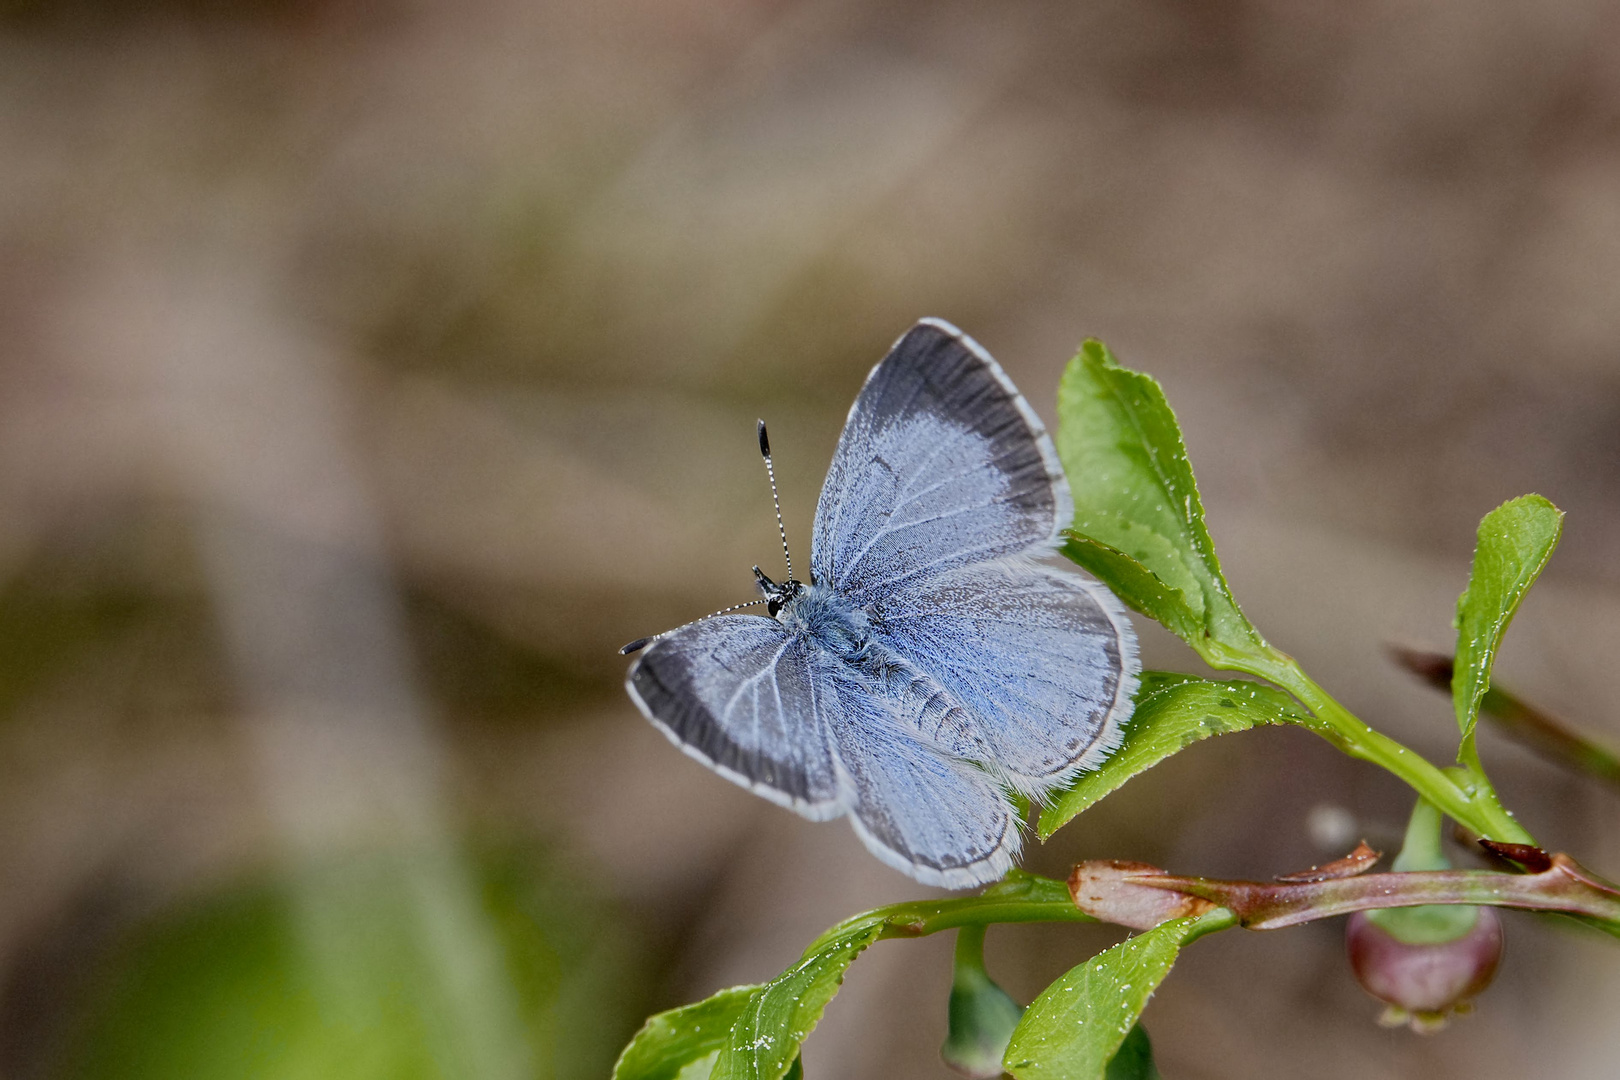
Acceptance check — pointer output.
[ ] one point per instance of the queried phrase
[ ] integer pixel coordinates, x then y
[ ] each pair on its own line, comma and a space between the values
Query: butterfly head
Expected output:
776, 594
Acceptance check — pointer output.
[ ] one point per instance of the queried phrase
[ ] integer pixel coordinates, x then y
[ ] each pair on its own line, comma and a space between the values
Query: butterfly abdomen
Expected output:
920, 703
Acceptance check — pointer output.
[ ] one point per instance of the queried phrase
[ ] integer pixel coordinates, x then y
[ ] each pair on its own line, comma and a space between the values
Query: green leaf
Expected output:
1135, 1058
671, 1041
1515, 542
764, 1041
1172, 712
1079, 1023
702, 1068
755, 1031
1134, 492
1140, 588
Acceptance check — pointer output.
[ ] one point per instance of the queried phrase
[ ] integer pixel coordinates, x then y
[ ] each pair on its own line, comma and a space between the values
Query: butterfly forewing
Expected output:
741, 694
941, 465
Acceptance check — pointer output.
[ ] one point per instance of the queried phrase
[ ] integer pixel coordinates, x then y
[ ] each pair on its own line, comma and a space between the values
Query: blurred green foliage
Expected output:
335, 972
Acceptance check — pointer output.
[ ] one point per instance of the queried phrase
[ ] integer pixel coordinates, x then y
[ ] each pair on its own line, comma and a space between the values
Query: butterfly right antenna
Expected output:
770, 469
765, 583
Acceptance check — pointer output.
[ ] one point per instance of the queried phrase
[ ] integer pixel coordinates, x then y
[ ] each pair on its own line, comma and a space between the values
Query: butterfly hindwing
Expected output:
779, 714
1041, 661
915, 805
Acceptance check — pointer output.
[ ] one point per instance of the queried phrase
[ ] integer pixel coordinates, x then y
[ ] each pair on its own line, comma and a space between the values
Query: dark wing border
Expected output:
715, 735
1062, 497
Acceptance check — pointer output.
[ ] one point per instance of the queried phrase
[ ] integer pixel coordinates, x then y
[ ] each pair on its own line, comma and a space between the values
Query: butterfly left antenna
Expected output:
770, 469
642, 642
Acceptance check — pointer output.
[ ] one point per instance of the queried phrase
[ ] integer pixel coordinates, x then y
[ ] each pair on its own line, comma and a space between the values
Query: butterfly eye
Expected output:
773, 607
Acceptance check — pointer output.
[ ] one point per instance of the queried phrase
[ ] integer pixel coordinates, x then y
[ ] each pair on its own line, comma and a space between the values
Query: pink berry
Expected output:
1424, 982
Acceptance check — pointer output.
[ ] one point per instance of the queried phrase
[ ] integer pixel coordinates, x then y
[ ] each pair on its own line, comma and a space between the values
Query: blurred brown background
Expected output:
369, 373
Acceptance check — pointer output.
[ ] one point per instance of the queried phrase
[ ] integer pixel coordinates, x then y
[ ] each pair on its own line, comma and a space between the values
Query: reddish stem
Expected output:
1565, 886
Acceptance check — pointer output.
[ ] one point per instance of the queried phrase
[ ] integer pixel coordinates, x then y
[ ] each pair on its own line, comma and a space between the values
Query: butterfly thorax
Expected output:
846, 630
821, 613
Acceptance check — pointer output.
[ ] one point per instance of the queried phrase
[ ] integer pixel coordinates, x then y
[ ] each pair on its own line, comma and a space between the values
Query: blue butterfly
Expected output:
932, 664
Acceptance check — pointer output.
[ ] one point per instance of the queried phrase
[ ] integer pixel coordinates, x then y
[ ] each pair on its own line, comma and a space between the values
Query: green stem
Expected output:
1468, 761
969, 965
1421, 849
1210, 922
1474, 803
1019, 898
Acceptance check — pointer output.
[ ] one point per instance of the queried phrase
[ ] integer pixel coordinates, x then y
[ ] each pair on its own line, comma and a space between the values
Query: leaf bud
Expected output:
1106, 889
982, 1014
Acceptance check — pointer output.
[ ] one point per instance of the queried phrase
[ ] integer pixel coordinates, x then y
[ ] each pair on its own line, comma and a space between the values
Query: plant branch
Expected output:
1541, 732
1564, 886
1474, 803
